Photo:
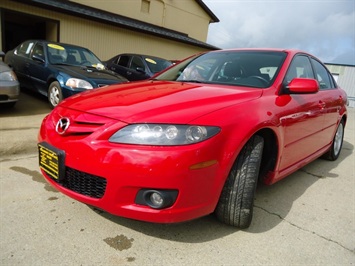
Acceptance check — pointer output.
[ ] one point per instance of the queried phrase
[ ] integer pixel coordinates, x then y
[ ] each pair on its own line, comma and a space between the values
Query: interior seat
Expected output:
232, 71
71, 59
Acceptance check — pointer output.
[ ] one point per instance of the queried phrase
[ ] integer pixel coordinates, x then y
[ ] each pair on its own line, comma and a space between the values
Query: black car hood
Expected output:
84, 72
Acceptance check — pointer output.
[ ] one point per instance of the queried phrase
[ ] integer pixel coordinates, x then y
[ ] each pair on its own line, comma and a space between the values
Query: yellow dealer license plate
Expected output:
51, 160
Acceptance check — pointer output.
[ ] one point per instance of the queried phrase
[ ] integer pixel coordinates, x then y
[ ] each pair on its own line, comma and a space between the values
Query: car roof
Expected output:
50, 42
143, 55
288, 50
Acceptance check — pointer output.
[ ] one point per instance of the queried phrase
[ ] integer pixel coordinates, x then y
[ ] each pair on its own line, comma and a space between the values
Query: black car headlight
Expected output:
78, 83
163, 134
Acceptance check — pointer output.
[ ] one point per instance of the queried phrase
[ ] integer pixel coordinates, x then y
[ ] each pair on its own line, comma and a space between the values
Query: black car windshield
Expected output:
72, 55
250, 68
156, 65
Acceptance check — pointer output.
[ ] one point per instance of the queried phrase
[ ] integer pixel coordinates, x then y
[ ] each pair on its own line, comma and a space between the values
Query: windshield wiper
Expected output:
192, 80
61, 64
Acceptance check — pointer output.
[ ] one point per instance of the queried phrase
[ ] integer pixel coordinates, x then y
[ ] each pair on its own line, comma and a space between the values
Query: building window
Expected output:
145, 6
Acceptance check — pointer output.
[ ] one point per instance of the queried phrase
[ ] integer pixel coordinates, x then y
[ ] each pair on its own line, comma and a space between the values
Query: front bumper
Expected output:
116, 174
9, 91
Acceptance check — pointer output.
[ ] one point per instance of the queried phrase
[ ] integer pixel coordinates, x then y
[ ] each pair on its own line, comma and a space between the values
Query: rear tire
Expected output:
55, 95
235, 206
337, 144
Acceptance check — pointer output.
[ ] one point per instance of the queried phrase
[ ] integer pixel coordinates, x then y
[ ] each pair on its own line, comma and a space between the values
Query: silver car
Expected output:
9, 85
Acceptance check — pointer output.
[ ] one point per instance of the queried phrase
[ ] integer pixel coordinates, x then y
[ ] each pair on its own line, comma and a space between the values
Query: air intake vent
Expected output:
84, 183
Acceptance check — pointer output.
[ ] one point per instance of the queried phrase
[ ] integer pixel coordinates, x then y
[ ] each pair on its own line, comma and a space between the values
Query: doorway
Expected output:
18, 27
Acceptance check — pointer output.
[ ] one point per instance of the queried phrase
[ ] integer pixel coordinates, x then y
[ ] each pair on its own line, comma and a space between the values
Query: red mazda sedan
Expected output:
197, 138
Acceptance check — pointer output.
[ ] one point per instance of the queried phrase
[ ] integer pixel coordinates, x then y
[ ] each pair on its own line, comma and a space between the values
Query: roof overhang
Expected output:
86, 12
208, 11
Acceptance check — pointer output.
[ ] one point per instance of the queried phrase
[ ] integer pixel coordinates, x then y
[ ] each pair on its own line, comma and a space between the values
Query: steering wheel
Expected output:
85, 62
266, 82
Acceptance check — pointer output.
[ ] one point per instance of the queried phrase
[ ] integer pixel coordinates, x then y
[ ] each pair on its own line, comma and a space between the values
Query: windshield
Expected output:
156, 65
72, 55
243, 68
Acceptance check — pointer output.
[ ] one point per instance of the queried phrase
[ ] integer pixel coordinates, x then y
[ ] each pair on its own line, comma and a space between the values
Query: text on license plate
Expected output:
51, 160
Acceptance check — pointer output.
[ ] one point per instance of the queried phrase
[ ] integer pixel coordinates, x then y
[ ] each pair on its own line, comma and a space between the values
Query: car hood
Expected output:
87, 72
159, 101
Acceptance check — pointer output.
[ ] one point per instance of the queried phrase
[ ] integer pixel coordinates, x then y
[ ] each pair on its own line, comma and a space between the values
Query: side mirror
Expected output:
38, 58
140, 69
302, 86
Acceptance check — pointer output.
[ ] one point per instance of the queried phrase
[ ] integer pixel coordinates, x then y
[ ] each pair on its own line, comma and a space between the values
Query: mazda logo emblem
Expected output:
62, 125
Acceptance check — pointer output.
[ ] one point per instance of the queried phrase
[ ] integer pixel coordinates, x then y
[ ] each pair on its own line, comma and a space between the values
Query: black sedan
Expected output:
137, 66
58, 70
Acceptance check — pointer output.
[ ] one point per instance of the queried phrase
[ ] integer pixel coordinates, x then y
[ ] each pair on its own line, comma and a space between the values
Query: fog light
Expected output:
156, 199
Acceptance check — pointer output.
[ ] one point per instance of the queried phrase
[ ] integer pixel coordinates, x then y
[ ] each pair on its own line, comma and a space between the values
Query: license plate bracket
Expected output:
51, 161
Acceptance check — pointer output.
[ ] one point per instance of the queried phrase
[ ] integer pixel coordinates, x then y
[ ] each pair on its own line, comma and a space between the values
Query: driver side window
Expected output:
300, 68
38, 50
136, 63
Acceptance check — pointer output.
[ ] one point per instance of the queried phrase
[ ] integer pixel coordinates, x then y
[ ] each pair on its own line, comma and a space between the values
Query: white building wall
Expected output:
345, 76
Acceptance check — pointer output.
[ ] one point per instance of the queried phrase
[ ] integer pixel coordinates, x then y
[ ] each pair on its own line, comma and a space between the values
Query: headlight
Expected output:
163, 134
8, 76
78, 83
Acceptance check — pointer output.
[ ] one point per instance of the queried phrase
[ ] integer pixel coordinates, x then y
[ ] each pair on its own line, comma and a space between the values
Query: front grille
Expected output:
80, 123
83, 183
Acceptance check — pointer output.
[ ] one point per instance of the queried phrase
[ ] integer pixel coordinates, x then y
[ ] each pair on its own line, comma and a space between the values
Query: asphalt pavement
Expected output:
307, 218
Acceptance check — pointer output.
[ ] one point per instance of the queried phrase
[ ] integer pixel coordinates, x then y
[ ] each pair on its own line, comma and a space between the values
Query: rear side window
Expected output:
322, 75
25, 49
123, 61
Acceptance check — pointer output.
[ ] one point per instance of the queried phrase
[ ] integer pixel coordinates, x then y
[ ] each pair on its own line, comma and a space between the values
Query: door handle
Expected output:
340, 99
321, 104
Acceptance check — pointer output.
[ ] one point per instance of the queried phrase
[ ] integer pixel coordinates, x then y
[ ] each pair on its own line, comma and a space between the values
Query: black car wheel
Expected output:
55, 95
337, 144
235, 206
7, 105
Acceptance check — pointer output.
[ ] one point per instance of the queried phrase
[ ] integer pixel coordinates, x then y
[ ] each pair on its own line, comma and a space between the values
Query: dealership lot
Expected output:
307, 218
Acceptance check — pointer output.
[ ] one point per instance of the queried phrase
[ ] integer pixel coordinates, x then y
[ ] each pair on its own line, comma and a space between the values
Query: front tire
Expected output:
337, 144
55, 95
235, 206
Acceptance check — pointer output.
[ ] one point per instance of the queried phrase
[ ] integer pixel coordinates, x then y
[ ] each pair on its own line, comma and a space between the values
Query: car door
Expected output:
120, 65
20, 62
137, 69
331, 100
302, 119
38, 68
